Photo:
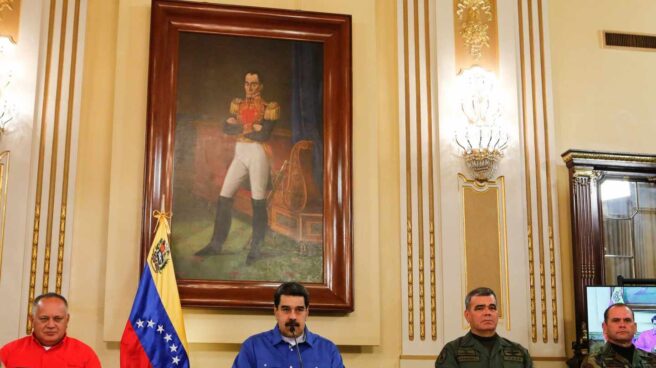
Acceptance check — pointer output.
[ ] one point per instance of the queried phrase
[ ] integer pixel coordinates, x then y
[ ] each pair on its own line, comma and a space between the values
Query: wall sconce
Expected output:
7, 109
482, 139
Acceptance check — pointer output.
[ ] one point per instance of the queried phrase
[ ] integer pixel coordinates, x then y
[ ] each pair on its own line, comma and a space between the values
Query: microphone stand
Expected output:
292, 328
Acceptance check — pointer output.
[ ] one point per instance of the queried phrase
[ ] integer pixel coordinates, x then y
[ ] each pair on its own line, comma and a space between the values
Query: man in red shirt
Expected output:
48, 346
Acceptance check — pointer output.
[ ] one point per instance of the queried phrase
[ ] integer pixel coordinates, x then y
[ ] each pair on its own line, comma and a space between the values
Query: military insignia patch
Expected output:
513, 355
467, 355
161, 255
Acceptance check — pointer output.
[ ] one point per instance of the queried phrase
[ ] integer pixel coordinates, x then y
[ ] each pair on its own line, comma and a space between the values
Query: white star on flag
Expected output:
140, 323
173, 348
176, 360
160, 329
151, 324
168, 338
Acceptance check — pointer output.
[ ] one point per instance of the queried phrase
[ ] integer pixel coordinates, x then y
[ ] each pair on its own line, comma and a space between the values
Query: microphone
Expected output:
292, 327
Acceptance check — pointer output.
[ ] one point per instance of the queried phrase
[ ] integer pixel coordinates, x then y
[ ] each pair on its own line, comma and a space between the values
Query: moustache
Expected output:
292, 323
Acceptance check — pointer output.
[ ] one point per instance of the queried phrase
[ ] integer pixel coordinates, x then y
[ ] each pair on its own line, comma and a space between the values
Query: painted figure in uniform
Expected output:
619, 328
251, 123
481, 346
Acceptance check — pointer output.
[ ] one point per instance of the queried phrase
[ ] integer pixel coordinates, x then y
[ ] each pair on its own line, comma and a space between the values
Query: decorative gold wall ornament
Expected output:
6, 5
475, 16
588, 173
9, 19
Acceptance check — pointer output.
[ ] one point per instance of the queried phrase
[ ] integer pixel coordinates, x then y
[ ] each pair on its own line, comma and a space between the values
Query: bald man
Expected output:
48, 346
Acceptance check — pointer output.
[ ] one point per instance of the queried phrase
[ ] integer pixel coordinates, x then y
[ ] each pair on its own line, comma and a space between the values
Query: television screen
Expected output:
642, 299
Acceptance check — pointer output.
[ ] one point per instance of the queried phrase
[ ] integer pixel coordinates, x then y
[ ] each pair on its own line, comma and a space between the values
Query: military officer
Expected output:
619, 328
251, 123
481, 346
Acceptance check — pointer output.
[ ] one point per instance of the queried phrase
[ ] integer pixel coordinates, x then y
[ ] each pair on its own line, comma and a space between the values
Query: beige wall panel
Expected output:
18, 140
482, 248
603, 98
86, 294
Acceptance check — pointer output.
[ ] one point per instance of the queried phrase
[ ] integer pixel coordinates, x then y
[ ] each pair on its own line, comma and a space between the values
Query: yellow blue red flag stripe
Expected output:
154, 335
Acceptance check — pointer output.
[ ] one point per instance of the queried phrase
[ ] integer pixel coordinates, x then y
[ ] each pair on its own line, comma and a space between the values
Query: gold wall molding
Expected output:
431, 184
549, 181
4, 181
419, 175
40, 166
56, 146
408, 175
537, 148
10, 19
538, 174
474, 16
527, 178
573, 155
418, 188
476, 32
67, 150
45, 286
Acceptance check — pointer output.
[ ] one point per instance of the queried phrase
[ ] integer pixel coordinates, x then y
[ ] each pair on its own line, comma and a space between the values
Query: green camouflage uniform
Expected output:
608, 358
467, 352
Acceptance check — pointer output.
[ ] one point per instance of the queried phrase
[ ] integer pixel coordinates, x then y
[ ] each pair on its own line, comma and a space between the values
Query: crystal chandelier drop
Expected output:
482, 139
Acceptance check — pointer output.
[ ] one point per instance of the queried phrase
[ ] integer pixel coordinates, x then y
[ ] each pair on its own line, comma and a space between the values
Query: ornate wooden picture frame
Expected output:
199, 57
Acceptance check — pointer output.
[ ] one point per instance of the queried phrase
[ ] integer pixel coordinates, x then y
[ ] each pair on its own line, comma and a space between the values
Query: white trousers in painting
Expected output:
250, 161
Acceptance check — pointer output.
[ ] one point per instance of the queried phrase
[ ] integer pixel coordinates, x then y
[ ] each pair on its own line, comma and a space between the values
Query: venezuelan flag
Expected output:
154, 335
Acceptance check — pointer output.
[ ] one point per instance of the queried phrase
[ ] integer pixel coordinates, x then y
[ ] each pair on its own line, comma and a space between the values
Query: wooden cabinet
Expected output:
613, 213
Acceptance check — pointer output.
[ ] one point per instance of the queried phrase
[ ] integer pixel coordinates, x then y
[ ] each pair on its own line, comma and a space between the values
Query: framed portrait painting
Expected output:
249, 147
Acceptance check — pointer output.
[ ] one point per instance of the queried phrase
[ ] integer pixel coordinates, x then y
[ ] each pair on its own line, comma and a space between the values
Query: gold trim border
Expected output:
4, 189
431, 190
502, 188
527, 176
608, 156
55, 149
39, 177
538, 177
408, 179
547, 154
67, 149
420, 175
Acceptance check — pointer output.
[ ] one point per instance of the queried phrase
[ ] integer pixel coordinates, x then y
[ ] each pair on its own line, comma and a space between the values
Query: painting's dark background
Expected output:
212, 67
211, 72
